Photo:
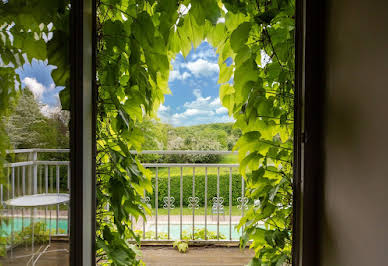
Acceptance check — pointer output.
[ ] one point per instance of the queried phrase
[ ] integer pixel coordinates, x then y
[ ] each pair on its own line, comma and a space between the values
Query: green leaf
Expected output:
226, 73
36, 49
226, 96
255, 262
240, 36
216, 35
246, 72
244, 53
58, 54
205, 10
143, 29
191, 30
64, 96
181, 245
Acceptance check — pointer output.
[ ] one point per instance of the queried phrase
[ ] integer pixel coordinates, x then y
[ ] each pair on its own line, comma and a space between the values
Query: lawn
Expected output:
229, 158
176, 171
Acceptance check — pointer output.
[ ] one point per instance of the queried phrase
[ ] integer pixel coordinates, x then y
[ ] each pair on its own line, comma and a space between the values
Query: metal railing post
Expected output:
13, 182
57, 183
34, 157
156, 203
205, 203
193, 204
46, 171
169, 202
218, 203
181, 204
144, 220
230, 203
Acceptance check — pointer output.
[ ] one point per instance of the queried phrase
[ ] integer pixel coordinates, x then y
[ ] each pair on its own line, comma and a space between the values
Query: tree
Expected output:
27, 127
25, 122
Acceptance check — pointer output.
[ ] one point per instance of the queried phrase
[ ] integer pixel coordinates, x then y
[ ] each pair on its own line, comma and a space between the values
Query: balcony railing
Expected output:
30, 172
207, 206
220, 207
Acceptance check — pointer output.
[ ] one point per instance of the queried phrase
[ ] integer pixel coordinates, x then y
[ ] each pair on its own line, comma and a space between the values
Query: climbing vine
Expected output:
136, 41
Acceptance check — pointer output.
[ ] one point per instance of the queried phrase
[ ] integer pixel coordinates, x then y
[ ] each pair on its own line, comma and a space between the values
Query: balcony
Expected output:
197, 202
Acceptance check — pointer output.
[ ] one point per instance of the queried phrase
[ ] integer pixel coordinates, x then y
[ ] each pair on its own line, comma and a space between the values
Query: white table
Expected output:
36, 201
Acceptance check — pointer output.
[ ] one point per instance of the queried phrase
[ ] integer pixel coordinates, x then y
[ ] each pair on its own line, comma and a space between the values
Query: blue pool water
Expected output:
18, 223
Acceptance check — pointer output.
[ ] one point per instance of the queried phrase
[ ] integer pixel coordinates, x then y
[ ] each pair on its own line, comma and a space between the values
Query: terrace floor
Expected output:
196, 256
152, 256
49, 259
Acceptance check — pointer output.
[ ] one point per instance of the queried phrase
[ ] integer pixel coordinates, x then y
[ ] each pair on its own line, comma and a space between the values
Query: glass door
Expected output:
34, 132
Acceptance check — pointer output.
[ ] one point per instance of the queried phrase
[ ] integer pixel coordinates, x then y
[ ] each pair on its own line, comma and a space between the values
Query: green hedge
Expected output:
199, 189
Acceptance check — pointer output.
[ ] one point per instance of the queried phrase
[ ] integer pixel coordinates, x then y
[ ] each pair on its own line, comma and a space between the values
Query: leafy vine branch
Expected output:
136, 41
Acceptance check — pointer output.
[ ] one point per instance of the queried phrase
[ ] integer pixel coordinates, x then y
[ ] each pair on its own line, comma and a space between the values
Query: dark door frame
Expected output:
82, 132
308, 143
308, 150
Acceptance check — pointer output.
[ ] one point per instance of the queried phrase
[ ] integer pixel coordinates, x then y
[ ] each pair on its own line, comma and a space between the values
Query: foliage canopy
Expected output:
28, 128
136, 41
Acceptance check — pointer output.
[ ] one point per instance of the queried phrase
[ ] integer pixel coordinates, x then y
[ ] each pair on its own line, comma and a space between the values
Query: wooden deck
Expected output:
49, 259
152, 256
196, 256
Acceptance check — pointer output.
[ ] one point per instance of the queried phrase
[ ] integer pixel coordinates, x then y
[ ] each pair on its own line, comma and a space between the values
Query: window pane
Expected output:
34, 132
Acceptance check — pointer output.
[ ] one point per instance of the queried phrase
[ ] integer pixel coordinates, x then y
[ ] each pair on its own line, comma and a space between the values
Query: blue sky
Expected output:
193, 83
37, 76
195, 91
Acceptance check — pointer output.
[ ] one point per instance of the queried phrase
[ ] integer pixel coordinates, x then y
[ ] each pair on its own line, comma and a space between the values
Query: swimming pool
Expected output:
19, 223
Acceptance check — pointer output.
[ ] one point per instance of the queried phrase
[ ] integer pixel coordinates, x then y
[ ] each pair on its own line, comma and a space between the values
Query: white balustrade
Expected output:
33, 176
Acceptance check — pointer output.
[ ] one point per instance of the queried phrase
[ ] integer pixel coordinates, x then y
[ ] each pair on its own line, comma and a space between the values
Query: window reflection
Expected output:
34, 133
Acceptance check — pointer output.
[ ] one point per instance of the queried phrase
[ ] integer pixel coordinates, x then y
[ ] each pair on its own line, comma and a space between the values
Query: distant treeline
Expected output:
159, 136
28, 127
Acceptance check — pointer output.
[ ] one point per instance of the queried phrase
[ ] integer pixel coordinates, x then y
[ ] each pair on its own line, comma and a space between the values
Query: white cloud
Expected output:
216, 102
185, 75
202, 67
221, 20
163, 108
184, 9
176, 75
221, 110
224, 9
200, 111
36, 88
194, 112
164, 112
204, 54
